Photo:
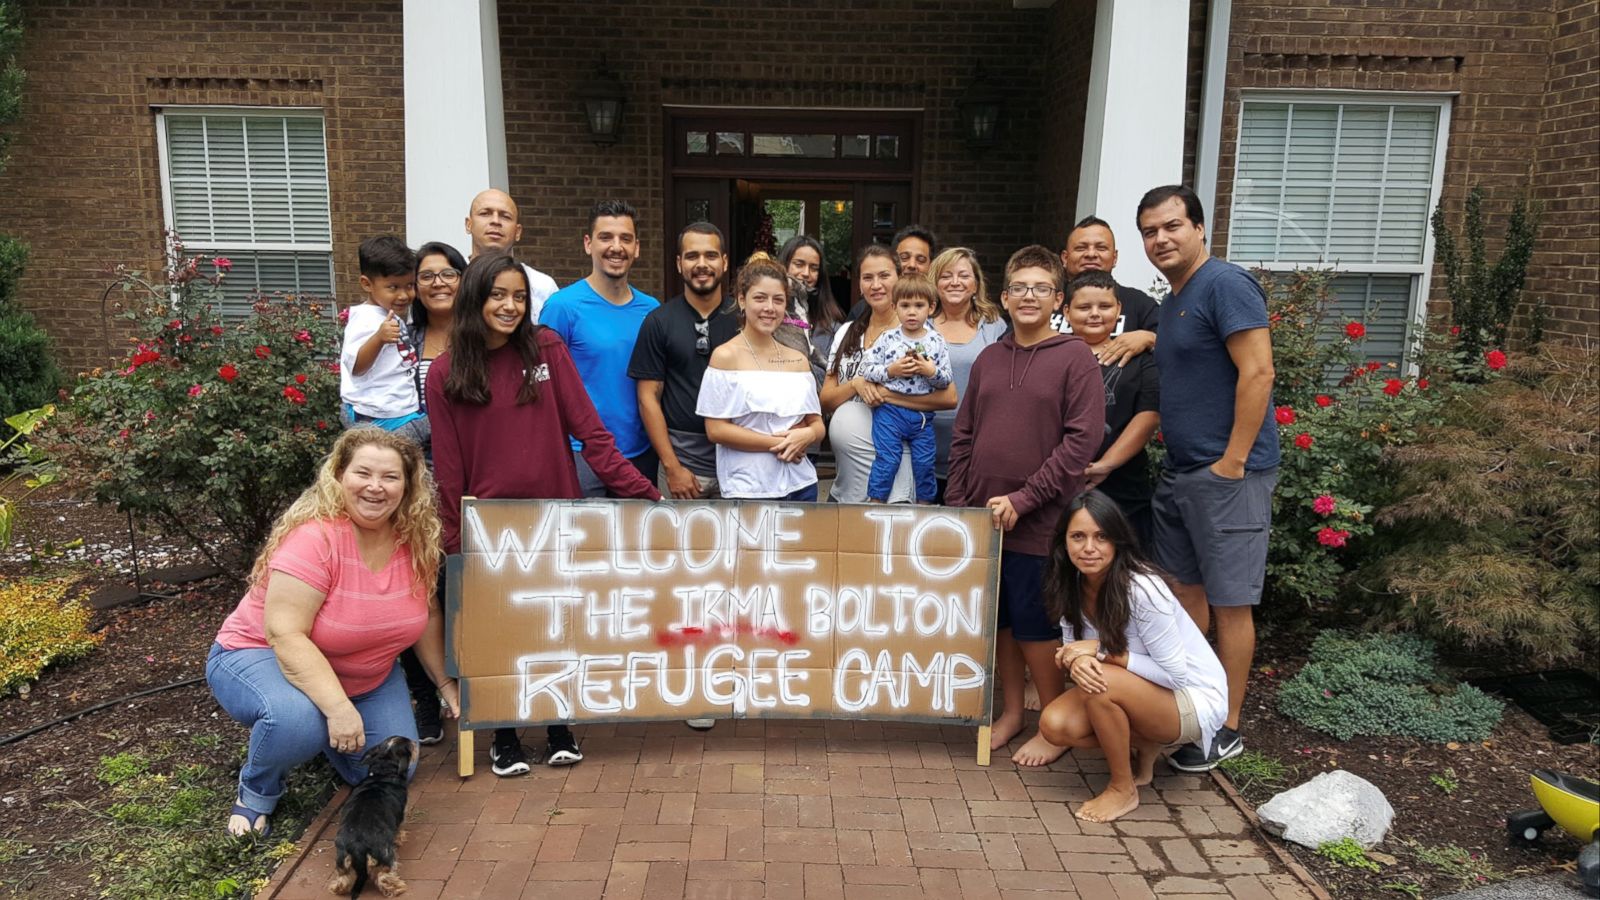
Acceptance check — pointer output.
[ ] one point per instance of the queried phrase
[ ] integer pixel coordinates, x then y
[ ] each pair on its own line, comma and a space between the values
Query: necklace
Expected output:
776, 348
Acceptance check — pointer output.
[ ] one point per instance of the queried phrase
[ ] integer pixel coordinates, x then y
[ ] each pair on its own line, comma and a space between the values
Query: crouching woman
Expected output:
1143, 675
344, 583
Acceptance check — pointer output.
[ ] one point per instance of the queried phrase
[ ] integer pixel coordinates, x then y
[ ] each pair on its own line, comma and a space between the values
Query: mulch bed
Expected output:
1491, 781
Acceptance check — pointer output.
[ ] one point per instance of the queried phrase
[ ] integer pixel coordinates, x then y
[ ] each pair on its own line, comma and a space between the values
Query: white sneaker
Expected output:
701, 724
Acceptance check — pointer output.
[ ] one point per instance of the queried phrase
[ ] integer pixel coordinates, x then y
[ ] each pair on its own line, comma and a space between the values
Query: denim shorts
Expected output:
1022, 605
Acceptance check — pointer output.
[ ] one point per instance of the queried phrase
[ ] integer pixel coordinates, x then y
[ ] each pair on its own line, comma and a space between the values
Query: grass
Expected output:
1346, 852
162, 835
1254, 769
1445, 781
1466, 867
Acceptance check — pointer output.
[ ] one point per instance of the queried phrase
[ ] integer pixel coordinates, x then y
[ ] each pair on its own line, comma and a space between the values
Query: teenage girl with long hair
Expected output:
508, 398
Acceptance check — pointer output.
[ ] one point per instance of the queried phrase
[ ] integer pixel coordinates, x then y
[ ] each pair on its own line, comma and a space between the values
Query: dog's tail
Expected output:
358, 864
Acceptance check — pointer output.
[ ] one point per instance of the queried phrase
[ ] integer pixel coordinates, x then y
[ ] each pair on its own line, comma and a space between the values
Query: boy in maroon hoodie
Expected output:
1032, 418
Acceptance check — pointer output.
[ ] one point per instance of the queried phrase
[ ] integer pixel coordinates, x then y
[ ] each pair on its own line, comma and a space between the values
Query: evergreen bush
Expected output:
37, 629
1383, 684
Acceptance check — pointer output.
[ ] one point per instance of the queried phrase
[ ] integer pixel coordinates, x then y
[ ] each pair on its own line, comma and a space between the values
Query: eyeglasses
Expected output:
702, 344
1041, 291
443, 276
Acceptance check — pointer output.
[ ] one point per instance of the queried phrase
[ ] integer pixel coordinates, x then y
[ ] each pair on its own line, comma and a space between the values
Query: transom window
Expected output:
250, 185
1346, 182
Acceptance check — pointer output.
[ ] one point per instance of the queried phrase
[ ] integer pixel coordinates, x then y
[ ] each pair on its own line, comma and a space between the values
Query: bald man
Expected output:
495, 227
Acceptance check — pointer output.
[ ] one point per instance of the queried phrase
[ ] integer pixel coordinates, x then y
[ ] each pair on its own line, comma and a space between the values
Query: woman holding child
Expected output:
848, 397
1144, 675
759, 398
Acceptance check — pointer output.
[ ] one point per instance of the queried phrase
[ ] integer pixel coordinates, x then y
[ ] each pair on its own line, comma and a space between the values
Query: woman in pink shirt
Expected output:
344, 583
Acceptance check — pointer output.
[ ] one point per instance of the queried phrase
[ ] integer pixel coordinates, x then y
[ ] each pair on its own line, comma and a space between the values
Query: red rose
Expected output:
1495, 359
303, 336
321, 425
228, 372
1374, 366
1393, 387
1422, 384
1324, 401
175, 324
223, 263
1284, 415
300, 379
1331, 537
294, 395
1455, 330
1303, 441
216, 329
1355, 331
1324, 505
263, 351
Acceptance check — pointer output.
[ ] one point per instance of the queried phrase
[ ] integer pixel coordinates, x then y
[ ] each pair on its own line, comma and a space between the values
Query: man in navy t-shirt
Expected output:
1213, 508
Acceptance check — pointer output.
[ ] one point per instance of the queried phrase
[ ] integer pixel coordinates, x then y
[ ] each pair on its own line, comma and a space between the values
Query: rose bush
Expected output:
1337, 413
203, 419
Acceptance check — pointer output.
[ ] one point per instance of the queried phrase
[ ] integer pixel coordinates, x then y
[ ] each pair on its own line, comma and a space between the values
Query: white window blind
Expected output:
1347, 184
252, 186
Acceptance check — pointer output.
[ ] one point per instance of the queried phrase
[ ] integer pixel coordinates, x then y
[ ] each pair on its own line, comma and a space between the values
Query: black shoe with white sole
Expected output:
561, 748
1190, 758
430, 728
506, 756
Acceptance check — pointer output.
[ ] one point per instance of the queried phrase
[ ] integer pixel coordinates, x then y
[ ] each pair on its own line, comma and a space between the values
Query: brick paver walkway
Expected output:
804, 810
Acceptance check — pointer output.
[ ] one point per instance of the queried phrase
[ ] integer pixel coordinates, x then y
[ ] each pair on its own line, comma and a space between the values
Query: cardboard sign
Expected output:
619, 611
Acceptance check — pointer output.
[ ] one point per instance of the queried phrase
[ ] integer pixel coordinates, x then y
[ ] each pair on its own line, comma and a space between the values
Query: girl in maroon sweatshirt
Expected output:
1032, 418
505, 398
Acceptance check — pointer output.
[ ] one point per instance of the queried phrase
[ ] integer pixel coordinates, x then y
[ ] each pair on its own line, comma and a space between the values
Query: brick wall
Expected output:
1501, 56
1065, 101
83, 185
895, 54
1566, 175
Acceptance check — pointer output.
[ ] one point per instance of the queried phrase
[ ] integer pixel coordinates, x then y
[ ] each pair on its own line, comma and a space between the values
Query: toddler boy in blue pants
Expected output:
911, 359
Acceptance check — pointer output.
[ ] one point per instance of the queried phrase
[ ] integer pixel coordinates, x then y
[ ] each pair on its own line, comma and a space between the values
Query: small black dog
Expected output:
370, 828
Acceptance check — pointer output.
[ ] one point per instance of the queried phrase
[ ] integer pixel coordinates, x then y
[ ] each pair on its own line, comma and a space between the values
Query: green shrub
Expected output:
1383, 684
1495, 533
1346, 852
1483, 295
204, 420
37, 629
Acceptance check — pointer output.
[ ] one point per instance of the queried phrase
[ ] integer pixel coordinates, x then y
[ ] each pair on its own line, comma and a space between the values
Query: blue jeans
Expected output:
287, 729
892, 428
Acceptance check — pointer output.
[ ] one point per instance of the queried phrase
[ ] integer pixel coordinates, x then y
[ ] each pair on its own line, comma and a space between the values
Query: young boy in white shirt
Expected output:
376, 365
911, 359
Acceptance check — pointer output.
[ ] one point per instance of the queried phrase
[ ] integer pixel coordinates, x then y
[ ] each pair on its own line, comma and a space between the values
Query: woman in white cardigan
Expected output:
1143, 675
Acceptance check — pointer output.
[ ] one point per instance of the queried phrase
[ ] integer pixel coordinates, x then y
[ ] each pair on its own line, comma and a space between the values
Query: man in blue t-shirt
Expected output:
1213, 507
599, 319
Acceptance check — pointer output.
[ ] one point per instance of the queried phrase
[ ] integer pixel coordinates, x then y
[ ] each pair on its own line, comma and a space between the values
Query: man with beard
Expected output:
495, 227
599, 318
670, 359
1091, 247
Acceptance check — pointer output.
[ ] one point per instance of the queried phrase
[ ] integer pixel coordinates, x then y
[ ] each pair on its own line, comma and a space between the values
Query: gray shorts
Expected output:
1213, 531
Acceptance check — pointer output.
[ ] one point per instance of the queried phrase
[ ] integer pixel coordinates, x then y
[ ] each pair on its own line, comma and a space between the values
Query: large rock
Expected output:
1329, 807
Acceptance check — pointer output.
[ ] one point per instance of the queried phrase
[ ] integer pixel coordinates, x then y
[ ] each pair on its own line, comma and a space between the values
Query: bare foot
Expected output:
1144, 763
1037, 752
1110, 805
1003, 730
1030, 696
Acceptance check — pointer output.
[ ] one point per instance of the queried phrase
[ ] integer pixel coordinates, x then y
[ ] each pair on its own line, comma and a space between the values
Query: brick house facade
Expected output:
85, 187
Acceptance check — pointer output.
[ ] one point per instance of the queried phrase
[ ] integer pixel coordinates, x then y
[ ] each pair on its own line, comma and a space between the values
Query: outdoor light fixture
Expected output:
980, 105
603, 96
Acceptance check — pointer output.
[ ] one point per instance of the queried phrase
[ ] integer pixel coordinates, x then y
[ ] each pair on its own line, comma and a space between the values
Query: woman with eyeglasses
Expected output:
759, 399
433, 310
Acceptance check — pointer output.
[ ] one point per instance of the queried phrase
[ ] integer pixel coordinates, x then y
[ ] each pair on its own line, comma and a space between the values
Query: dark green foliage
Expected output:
1496, 542
1382, 684
1483, 297
11, 74
28, 375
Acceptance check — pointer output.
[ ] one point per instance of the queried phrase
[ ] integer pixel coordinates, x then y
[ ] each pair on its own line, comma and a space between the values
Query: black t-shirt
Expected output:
1140, 312
1130, 390
666, 352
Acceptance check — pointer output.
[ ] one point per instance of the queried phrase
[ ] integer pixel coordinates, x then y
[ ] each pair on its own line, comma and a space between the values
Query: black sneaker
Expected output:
562, 749
430, 728
1190, 758
506, 756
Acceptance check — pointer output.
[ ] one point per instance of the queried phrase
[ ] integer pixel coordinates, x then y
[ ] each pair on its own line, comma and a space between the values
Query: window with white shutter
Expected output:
250, 185
1344, 182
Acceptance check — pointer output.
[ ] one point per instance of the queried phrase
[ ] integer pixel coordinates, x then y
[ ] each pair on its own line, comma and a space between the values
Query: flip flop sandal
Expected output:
250, 816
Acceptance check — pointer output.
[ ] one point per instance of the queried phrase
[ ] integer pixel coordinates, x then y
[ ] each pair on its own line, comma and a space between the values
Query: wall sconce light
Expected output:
603, 97
980, 106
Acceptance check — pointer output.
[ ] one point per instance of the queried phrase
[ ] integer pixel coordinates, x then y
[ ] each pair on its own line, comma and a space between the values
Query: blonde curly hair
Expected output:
982, 308
416, 521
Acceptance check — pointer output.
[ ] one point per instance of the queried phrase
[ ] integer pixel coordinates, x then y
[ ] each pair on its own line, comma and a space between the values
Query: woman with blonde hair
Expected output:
969, 321
344, 583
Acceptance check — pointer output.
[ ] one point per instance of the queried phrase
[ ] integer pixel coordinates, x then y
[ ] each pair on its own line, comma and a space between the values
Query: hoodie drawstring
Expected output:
1031, 351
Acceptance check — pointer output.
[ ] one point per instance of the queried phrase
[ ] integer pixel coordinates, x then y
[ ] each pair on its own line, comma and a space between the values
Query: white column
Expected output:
1133, 128
455, 121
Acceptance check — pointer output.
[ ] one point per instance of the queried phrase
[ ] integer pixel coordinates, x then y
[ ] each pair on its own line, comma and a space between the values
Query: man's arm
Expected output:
680, 481
1251, 351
